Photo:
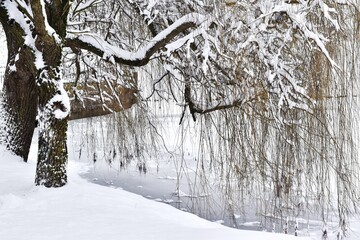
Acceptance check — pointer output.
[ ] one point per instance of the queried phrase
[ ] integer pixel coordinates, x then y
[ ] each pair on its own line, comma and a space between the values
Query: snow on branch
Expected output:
100, 47
22, 14
299, 20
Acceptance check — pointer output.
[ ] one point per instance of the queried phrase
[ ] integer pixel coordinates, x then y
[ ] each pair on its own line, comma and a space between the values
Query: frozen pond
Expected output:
172, 177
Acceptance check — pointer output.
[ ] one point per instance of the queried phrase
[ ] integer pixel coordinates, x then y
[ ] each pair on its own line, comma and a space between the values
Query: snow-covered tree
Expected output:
37, 33
254, 72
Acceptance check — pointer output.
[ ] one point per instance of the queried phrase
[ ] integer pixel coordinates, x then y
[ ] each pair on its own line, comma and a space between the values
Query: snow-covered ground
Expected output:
84, 210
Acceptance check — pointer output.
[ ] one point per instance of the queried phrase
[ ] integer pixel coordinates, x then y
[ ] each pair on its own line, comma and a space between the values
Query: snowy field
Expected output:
84, 210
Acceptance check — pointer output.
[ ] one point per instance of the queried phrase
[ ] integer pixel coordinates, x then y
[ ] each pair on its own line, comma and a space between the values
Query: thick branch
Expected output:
101, 48
39, 18
236, 103
91, 103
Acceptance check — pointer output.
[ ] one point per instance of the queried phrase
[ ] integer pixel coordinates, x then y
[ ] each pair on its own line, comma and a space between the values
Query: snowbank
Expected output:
83, 210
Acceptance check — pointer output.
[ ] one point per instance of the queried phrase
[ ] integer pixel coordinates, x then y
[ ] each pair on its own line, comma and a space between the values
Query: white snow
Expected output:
62, 98
49, 29
298, 17
84, 210
16, 15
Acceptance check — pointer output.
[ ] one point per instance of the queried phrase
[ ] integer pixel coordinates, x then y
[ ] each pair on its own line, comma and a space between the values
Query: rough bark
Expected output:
20, 91
52, 153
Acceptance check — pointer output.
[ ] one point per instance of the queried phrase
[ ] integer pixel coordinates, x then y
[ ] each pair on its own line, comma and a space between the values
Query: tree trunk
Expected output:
20, 90
53, 112
52, 155
54, 104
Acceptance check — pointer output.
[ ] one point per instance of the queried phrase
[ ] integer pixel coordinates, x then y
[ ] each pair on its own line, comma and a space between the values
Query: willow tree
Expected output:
244, 69
36, 33
272, 94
